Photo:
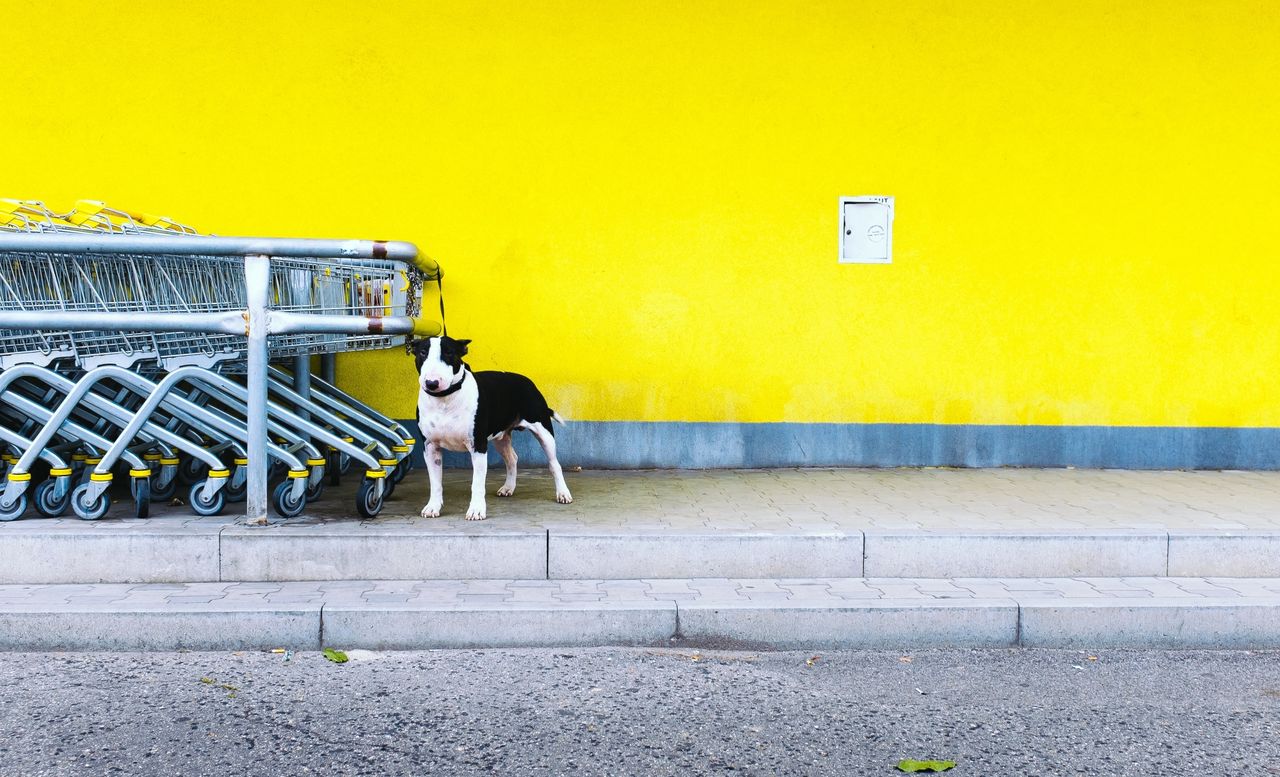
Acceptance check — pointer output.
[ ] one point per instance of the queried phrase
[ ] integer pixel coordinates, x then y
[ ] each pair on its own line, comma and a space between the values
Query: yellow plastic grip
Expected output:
298, 474
315, 462
19, 477
139, 473
219, 473
375, 474
58, 472
100, 477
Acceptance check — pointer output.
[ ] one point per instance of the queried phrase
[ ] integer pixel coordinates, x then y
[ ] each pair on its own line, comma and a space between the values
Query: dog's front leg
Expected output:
435, 473
479, 468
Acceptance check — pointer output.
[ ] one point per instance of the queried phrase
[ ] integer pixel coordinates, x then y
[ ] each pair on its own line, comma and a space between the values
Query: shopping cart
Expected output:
128, 341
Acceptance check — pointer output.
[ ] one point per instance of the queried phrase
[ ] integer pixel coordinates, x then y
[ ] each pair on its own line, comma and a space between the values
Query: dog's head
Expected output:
439, 361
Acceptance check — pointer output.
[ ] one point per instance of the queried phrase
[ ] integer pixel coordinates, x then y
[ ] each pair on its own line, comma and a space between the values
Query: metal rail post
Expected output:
302, 382
257, 276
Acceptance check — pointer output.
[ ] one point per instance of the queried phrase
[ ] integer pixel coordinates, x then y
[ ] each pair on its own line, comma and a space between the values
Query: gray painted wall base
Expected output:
678, 445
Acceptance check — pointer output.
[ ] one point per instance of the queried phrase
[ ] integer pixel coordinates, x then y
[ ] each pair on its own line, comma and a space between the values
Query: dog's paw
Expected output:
476, 512
506, 490
564, 497
432, 510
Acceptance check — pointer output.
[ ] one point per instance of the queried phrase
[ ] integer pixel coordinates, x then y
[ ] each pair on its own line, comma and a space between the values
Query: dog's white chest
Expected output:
450, 421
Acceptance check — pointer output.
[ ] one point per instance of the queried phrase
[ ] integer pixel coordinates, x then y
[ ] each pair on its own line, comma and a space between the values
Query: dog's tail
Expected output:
556, 417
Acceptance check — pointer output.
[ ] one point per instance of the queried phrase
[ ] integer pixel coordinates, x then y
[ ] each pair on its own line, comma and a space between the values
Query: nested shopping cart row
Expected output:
182, 430
127, 358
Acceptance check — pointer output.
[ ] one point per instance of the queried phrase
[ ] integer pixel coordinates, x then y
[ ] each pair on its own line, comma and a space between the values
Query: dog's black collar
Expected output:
449, 390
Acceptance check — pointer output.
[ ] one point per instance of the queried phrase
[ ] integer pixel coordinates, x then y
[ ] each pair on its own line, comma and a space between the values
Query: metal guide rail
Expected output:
129, 343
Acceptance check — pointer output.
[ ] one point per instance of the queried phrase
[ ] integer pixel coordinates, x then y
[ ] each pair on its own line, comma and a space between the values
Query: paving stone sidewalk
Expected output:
834, 499
678, 524
776, 558
806, 499
826, 591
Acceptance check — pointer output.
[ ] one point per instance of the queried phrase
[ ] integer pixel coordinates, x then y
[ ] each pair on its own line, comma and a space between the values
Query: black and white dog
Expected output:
461, 410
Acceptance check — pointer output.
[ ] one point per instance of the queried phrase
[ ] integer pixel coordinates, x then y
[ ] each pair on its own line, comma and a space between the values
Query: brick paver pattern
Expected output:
810, 500
819, 592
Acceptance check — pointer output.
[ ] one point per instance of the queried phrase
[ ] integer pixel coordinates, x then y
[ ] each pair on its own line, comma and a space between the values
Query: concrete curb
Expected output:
1152, 623
864, 625
358, 551
594, 555
420, 627
1225, 553
1043, 553
110, 552
761, 614
190, 628
175, 552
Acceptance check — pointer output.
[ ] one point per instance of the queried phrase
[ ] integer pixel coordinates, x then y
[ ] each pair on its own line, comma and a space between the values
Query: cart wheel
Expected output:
86, 510
14, 510
401, 470
334, 467
345, 466
285, 504
367, 504
192, 471
49, 505
314, 492
389, 488
163, 493
203, 506
233, 492
141, 488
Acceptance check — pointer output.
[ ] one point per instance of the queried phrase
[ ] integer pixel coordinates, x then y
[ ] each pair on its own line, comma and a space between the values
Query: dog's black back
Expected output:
506, 399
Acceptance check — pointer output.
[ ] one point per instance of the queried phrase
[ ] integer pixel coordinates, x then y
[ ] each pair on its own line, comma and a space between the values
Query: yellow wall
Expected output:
636, 203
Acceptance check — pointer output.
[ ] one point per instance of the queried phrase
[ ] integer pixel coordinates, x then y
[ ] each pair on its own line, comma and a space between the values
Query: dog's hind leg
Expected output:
548, 442
509, 458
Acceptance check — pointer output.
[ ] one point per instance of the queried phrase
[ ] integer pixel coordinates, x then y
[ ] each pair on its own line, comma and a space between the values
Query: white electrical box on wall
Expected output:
866, 230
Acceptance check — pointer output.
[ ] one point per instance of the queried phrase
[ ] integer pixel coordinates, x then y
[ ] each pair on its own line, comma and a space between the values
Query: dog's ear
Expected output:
462, 346
421, 348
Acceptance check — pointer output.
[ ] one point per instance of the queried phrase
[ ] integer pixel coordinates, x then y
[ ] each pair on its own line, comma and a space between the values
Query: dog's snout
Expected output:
432, 385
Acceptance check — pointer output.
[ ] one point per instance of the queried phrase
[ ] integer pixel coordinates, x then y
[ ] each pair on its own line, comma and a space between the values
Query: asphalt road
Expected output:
640, 711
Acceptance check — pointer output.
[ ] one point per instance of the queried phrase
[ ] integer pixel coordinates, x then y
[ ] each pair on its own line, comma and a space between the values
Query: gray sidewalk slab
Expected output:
682, 524
790, 613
